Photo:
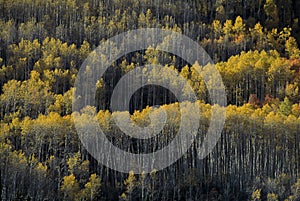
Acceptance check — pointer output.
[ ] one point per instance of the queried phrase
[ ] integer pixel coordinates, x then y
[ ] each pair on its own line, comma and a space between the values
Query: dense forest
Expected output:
254, 44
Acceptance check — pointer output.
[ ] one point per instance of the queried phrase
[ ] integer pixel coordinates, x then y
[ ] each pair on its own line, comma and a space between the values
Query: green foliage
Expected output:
285, 107
271, 11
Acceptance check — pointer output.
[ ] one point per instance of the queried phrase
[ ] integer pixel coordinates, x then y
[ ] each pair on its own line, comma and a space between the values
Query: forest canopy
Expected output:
254, 45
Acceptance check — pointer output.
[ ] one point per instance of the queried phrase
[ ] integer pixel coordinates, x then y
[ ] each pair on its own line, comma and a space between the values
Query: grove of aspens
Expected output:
254, 45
